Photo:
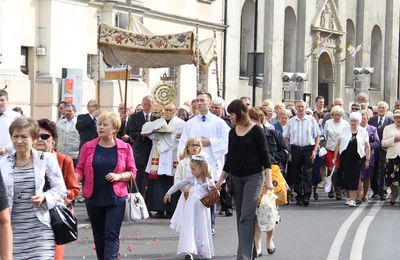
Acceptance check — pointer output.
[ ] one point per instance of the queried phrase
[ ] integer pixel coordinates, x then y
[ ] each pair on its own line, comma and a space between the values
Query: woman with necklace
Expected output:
24, 171
105, 165
391, 140
353, 146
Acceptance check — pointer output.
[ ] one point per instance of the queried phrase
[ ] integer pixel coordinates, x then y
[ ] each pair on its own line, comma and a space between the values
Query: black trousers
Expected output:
302, 167
378, 177
142, 178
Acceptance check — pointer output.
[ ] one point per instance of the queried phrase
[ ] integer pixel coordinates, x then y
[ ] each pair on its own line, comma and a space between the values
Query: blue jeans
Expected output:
106, 225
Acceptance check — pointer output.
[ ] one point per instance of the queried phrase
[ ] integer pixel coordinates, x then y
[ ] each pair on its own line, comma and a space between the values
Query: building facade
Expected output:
309, 38
290, 34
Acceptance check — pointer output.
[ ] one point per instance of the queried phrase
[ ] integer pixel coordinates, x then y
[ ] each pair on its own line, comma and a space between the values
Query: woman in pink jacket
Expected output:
105, 165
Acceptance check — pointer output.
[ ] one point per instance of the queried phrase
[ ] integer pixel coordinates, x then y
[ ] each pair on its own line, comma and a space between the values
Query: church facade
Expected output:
339, 48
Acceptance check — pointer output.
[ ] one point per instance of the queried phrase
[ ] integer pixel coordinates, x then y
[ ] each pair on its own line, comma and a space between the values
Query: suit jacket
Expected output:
87, 129
141, 145
374, 122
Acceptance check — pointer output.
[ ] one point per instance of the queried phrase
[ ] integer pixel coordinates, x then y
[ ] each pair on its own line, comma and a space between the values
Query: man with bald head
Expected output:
86, 124
141, 143
336, 102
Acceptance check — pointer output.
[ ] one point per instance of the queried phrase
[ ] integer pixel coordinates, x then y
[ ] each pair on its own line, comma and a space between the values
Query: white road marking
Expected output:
361, 234
335, 250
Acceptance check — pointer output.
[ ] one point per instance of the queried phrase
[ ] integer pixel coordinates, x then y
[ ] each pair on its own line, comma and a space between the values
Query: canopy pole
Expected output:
216, 65
120, 90
98, 58
126, 94
199, 85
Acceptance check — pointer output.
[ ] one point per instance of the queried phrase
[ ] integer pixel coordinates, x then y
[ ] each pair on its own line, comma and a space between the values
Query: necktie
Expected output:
147, 118
203, 118
380, 122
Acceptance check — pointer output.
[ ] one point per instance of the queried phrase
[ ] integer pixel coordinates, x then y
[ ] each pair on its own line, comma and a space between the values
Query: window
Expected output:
24, 60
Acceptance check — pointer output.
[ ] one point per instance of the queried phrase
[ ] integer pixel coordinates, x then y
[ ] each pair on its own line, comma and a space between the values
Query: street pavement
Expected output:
326, 229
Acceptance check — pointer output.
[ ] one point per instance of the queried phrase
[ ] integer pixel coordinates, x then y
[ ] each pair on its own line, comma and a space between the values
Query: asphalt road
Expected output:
326, 229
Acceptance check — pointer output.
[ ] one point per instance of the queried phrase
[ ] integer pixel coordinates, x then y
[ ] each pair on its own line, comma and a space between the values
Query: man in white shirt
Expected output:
68, 136
7, 116
213, 133
302, 135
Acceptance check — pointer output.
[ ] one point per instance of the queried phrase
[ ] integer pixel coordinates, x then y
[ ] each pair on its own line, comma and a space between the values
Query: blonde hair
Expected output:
114, 118
191, 140
203, 165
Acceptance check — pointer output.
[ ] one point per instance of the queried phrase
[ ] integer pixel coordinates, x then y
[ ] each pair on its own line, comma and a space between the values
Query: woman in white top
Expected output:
333, 128
391, 140
353, 146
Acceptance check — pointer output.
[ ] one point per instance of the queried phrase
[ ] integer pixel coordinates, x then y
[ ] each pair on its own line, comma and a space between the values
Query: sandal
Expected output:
338, 197
330, 195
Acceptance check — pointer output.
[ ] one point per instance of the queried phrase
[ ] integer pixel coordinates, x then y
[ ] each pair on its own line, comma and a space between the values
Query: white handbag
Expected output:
267, 214
135, 207
328, 181
322, 151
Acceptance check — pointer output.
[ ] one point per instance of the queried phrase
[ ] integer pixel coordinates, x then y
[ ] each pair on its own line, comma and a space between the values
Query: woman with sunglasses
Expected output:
24, 171
47, 142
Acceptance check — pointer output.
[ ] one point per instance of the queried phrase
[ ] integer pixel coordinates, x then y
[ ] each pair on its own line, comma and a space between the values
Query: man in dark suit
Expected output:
378, 179
141, 143
86, 124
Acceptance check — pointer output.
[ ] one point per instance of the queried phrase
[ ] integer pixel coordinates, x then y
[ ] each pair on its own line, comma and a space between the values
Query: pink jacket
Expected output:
125, 163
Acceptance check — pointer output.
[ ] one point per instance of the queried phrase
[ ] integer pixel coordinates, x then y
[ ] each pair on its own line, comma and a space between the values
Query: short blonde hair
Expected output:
267, 102
337, 110
280, 105
366, 113
284, 112
114, 118
204, 165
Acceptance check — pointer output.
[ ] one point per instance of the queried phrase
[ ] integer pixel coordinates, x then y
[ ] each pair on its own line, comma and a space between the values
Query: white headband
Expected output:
199, 157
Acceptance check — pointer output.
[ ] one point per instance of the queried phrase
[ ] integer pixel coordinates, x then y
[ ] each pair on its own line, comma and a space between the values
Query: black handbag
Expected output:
64, 225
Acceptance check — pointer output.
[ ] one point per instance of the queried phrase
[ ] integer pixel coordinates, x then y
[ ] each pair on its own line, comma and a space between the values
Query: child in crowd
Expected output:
195, 231
193, 146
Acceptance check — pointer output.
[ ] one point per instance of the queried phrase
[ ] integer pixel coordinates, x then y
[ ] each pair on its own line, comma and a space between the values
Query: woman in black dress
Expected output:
353, 146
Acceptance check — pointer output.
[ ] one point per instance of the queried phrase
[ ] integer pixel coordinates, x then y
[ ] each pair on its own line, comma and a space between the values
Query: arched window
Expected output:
350, 61
376, 57
290, 39
246, 34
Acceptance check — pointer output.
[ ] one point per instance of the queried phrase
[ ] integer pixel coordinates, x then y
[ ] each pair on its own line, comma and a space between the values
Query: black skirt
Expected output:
155, 194
393, 171
350, 166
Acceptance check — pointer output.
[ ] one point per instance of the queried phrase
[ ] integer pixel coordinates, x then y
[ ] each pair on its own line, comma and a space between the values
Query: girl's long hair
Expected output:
191, 140
204, 166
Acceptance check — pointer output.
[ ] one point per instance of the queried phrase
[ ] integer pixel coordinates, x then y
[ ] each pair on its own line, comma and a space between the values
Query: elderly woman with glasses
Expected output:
353, 146
332, 130
25, 171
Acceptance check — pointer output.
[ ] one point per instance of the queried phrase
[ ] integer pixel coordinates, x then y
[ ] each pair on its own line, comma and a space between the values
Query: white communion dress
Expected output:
192, 219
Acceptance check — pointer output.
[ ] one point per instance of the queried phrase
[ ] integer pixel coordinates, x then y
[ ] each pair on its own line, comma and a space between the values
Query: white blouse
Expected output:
362, 138
332, 132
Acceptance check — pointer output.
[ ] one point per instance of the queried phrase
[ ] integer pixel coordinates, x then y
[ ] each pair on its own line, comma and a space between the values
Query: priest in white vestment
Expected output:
213, 133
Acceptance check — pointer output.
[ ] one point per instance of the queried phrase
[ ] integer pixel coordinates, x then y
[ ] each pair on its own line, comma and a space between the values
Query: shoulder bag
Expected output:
135, 207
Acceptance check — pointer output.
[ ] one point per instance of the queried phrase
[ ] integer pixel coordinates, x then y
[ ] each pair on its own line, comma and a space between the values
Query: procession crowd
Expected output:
178, 156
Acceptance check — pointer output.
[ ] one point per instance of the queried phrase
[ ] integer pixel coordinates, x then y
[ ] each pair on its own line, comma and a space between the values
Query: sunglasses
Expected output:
194, 145
355, 108
45, 136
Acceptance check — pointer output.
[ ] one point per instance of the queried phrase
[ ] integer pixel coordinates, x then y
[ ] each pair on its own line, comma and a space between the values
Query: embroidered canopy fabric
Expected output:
141, 48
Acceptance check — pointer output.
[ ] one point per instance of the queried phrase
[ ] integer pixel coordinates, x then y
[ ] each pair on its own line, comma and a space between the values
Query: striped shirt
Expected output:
302, 132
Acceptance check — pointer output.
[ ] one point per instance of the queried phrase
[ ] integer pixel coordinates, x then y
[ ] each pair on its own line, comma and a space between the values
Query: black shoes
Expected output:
374, 196
271, 251
392, 203
358, 202
316, 197
382, 197
306, 202
228, 212
299, 202
364, 200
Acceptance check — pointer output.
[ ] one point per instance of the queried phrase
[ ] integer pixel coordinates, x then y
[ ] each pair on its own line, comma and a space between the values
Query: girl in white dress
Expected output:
195, 232
193, 146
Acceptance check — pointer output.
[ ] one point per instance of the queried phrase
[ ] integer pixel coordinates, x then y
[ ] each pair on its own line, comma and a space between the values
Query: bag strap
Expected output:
134, 182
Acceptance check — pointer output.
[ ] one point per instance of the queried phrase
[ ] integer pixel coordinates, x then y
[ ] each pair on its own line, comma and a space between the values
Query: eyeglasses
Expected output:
355, 108
194, 145
45, 136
